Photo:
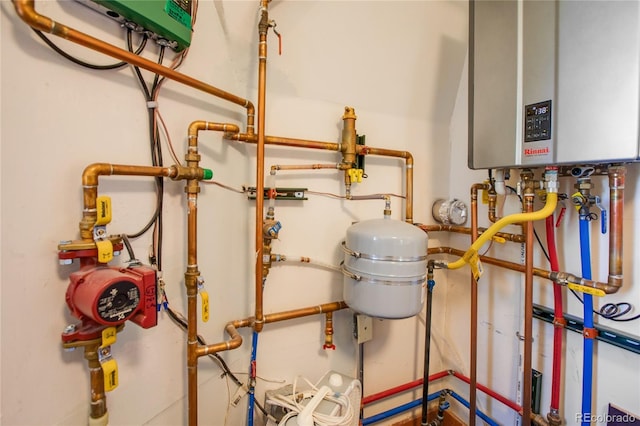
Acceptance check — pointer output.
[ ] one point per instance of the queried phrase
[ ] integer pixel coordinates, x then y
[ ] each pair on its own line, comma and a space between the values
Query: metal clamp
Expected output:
360, 278
359, 255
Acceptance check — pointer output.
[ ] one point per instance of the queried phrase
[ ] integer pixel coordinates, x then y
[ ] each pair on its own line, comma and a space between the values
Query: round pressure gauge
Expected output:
450, 212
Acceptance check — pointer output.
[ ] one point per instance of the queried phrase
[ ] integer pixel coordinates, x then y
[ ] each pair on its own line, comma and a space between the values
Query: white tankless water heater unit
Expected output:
553, 82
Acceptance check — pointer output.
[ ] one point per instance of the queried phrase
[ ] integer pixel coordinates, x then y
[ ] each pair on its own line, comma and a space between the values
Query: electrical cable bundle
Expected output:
293, 403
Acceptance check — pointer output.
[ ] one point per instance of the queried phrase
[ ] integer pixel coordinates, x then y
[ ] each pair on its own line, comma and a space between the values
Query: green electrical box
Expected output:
168, 22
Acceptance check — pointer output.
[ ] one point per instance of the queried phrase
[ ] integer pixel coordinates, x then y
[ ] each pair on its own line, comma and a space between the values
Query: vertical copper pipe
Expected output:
96, 376
616, 208
366, 150
192, 274
473, 343
328, 332
528, 310
90, 177
192, 174
348, 145
263, 27
26, 11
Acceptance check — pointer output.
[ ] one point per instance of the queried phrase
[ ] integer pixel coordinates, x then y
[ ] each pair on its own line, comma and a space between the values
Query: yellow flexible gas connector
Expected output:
471, 255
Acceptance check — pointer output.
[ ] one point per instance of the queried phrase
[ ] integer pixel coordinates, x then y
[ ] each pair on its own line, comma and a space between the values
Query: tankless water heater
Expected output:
553, 82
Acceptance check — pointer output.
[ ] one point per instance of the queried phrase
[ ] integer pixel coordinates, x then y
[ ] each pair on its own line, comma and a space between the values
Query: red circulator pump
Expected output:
100, 295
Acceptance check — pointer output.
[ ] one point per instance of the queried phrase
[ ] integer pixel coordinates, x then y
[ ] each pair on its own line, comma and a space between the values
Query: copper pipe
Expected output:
528, 308
282, 141
236, 340
473, 341
616, 209
406, 155
328, 331
516, 238
491, 210
348, 145
562, 278
335, 166
90, 188
330, 146
491, 261
263, 27
26, 11
192, 274
96, 376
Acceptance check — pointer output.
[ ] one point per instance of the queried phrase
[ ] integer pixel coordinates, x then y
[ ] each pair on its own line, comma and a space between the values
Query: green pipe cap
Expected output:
208, 174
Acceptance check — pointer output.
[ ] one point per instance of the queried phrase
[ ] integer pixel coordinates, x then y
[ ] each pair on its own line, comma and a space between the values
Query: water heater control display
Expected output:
537, 122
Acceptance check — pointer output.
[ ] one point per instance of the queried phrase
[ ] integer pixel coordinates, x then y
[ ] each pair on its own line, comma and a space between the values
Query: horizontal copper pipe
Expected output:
200, 125
559, 277
90, 187
334, 166
26, 11
330, 146
236, 340
517, 238
491, 261
281, 141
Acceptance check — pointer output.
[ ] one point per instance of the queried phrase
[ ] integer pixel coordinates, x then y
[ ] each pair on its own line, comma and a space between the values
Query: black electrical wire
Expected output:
80, 62
226, 371
156, 159
127, 244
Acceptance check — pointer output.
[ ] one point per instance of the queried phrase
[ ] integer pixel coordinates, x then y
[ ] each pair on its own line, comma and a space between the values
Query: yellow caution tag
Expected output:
109, 336
204, 296
499, 239
578, 200
103, 207
485, 194
105, 251
359, 174
469, 254
588, 290
476, 266
110, 371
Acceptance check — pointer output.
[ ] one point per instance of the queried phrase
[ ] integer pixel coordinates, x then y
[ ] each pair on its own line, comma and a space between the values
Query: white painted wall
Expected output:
397, 63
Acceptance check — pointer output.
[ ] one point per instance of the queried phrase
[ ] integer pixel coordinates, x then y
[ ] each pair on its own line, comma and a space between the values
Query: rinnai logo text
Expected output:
536, 151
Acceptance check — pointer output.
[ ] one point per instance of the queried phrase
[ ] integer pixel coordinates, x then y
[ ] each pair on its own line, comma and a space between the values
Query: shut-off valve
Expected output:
103, 296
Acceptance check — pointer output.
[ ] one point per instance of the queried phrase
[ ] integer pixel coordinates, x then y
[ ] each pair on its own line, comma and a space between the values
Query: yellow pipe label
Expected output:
589, 290
103, 207
204, 296
473, 260
110, 371
105, 251
109, 336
